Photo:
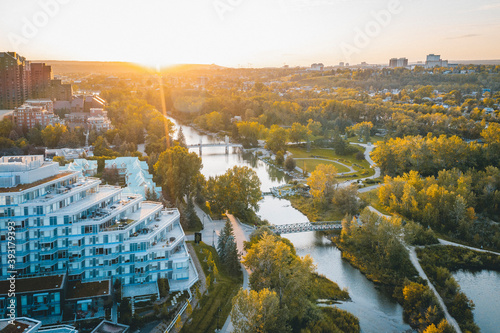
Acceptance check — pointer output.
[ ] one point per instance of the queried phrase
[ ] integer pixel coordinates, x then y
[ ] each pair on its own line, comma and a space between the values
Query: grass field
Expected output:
213, 308
310, 165
362, 167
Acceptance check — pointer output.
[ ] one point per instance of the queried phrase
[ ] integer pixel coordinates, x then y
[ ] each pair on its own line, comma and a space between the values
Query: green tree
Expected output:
290, 163
177, 170
346, 199
280, 158
227, 250
235, 191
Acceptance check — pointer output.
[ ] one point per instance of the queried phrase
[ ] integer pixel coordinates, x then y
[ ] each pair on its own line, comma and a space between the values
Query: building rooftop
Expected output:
109, 327
21, 325
23, 187
34, 284
77, 289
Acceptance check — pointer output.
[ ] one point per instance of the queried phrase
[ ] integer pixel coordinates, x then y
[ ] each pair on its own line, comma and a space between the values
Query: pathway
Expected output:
241, 234
445, 242
421, 273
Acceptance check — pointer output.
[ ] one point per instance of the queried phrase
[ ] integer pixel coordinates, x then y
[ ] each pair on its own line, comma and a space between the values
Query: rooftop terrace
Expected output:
23, 187
77, 289
34, 284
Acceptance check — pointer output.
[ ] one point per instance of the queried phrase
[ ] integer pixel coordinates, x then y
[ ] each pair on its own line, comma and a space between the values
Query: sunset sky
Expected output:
255, 33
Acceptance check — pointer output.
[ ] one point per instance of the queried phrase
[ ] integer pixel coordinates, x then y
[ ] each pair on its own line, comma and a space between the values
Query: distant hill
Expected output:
475, 62
116, 67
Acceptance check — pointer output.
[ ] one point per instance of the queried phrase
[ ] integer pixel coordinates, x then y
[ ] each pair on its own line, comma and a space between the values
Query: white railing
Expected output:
181, 311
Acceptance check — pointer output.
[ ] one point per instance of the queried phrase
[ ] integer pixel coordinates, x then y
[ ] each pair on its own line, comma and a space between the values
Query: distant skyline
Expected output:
250, 33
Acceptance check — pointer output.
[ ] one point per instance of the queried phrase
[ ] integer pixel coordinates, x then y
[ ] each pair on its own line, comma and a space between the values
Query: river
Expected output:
377, 311
483, 288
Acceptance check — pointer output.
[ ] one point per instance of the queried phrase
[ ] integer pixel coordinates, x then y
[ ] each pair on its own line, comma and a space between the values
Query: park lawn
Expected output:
314, 213
371, 197
215, 306
310, 165
329, 154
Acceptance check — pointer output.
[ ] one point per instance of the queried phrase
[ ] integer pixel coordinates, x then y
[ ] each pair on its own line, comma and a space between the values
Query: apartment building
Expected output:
72, 226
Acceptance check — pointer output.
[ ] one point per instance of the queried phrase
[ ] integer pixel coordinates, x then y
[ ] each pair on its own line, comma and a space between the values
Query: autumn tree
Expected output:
276, 267
250, 132
298, 133
51, 135
362, 130
178, 170
276, 140
256, 312
322, 181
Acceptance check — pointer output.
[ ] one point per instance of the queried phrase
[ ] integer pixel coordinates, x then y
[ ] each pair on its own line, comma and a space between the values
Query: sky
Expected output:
250, 33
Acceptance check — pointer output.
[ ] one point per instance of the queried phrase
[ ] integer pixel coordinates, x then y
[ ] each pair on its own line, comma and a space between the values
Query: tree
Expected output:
322, 181
314, 127
249, 132
280, 158
111, 175
181, 139
276, 267
228, 252
290, 163
51, 135
276, 140
346, 199
298, 133
256, 312
235, 191
362, 130
177, 171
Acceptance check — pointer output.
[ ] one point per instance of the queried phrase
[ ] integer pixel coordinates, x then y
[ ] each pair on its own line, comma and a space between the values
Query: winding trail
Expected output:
445, 242
414, 260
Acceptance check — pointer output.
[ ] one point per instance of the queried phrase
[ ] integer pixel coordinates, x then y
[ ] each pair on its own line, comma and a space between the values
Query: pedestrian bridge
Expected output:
226, 144
307, 226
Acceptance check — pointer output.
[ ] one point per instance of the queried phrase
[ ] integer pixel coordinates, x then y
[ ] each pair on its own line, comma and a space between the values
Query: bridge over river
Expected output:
306, 226
226, 144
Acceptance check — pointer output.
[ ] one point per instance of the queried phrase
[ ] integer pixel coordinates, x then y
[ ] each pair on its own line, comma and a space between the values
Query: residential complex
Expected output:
135, 174
28, 116
15, 80
75, 237
398, 62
